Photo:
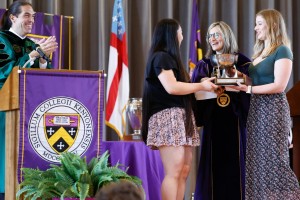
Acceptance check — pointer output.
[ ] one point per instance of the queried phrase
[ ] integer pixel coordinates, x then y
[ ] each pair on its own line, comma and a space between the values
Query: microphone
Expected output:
42, 54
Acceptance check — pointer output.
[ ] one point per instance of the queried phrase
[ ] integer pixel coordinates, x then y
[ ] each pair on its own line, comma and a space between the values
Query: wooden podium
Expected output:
293, 96
71, 99
9, 95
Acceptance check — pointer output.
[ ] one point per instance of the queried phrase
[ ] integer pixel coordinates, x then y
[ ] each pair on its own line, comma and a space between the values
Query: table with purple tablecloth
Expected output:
142, 162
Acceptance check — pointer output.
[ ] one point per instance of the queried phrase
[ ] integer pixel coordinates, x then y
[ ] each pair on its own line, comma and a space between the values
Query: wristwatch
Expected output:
249, 89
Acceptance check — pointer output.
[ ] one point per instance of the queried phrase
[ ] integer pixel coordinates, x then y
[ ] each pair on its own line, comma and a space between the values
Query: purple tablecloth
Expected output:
142, 162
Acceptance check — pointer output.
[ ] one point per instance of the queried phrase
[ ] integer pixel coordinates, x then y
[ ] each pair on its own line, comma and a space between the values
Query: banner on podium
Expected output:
59, 111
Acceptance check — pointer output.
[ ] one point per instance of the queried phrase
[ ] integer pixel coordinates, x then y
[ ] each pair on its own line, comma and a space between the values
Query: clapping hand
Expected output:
48, 45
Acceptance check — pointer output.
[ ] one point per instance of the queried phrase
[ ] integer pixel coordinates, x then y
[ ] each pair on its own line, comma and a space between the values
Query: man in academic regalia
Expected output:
18, 50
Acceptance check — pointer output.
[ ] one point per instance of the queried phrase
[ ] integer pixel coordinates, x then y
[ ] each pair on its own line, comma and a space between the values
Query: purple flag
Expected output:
46, 26
2, 11
195, 42
59, 111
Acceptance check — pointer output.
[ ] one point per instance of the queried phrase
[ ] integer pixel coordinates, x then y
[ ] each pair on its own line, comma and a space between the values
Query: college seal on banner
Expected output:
223, 100
61, 130
60, 124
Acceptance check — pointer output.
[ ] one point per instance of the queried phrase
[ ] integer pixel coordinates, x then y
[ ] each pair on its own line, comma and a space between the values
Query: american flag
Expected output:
118, 76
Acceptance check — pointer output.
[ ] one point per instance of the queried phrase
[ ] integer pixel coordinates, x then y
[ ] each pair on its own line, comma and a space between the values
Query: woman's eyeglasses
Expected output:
216, 35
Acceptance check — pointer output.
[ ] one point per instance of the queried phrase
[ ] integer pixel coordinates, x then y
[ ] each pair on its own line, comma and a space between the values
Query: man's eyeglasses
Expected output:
215, 35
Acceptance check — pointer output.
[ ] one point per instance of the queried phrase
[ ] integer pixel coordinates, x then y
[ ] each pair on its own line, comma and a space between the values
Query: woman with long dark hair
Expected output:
168, 119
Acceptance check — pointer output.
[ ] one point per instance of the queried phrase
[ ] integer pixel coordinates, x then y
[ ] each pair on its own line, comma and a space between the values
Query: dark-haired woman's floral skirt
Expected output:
166, 128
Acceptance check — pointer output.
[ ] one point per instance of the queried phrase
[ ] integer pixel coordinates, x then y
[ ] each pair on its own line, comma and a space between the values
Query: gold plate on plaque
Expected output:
223, 100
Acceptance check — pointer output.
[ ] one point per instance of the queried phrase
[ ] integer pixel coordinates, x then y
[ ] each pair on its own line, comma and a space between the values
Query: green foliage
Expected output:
73, 178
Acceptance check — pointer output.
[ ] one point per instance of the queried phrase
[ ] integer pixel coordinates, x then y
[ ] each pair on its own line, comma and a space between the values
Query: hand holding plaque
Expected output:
225, 70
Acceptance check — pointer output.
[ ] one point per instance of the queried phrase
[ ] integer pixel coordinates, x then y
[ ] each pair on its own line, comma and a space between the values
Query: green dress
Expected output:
14, 51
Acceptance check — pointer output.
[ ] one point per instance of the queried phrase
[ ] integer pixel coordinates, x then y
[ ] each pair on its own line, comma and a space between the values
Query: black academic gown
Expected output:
221, 173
